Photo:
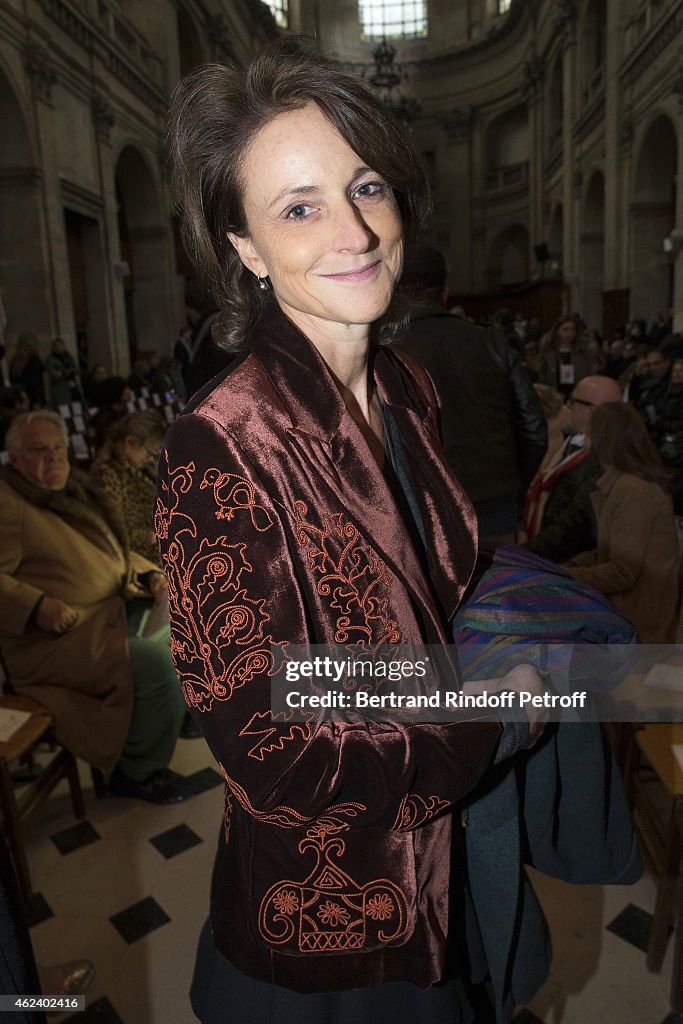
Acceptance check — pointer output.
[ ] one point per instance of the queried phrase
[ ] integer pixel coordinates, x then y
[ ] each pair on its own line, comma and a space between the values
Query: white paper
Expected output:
79, 424
77, 408
64, 411
668, 677
11, 721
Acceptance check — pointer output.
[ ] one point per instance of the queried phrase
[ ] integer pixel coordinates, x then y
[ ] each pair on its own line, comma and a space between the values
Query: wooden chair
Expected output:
17, 809
662, 841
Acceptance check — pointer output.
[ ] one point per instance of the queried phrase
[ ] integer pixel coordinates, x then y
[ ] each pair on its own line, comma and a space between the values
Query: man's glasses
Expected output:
580, 401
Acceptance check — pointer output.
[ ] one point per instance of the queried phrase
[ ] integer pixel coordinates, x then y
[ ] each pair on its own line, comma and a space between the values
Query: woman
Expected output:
303, 499
26, 369
114, 394
125, 471
563, 360
636, 560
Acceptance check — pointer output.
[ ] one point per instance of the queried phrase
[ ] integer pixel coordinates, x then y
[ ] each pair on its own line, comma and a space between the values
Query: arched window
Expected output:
504, 6
392, 19
280, 11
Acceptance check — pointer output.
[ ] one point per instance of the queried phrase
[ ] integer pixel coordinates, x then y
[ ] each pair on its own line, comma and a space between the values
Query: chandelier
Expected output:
385, 77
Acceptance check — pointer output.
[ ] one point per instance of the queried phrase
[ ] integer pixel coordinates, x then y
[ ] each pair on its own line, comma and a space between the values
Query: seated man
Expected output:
65, 583
559, 515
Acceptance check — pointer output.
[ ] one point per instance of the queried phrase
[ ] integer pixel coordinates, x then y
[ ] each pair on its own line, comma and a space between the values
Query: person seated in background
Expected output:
114, 395
492, 424
636, 559
66, 585
91, 385
13, 401
558, 511
670, 423
63, 374
141, 374
125, 473
557, 418
652, 388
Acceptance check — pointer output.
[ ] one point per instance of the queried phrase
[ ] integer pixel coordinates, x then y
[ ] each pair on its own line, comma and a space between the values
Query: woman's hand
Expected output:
158, 587
520, 679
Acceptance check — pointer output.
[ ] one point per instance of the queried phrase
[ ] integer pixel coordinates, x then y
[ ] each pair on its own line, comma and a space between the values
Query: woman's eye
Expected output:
370, 188
299, 212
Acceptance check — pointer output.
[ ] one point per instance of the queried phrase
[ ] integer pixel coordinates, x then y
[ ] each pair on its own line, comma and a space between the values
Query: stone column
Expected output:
565, 25
678, 236
532, 87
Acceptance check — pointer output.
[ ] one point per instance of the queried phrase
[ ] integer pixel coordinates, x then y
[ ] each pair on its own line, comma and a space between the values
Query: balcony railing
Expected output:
509, 177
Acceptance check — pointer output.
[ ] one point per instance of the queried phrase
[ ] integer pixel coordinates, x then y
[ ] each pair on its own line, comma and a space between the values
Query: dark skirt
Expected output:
221, 994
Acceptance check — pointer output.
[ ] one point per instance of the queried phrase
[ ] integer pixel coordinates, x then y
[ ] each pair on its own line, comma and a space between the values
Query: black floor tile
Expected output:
73, 838
37, 909
526, 1017
175, 841
99, 1012
632, 925
139, 920
205, 778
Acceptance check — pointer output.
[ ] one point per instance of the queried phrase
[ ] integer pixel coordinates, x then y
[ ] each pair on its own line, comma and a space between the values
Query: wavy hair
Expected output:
619, 439
216, 112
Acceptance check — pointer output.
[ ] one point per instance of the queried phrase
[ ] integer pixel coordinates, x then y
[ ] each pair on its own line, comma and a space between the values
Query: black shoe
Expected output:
188, 730
159, 788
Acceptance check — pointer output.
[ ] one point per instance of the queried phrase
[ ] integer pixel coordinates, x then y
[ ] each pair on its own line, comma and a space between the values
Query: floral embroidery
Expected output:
380, 907
335, 913
286, 901
351, 575
415, 810
332, 913
219, 635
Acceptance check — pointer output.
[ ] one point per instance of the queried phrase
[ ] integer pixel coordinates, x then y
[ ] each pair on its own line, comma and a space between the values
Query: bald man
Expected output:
559, 515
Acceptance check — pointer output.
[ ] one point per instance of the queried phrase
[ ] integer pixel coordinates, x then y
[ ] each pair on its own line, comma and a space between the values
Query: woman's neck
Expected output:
344, 348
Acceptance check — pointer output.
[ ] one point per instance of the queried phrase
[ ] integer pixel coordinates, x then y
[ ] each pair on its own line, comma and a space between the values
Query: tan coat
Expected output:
83, 676
636, 562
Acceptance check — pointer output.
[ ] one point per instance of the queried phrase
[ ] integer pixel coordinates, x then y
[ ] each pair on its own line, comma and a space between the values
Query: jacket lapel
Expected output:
319, 414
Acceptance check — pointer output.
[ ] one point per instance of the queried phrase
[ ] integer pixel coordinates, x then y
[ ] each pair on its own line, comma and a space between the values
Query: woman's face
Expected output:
324, 228
566, 333
677, 372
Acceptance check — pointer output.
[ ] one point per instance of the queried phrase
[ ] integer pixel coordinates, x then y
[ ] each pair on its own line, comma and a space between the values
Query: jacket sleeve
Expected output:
629, 529
17, 599
235, 603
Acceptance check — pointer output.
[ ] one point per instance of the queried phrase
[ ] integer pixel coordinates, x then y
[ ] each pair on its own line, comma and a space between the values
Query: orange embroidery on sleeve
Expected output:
219, 637
415, 810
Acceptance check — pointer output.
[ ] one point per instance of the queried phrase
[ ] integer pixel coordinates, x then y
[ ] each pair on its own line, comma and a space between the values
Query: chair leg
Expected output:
77, 801
13, 830
666, 889
99, 785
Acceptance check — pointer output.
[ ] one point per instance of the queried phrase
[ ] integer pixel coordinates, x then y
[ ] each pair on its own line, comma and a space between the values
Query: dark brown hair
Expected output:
619, 438
216, 111
143, 426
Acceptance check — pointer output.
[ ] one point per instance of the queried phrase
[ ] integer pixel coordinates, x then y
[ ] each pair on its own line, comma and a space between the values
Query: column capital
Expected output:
40, 70
103, 118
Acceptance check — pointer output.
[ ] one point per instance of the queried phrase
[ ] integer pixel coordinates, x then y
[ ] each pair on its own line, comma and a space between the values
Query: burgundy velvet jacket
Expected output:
276, 525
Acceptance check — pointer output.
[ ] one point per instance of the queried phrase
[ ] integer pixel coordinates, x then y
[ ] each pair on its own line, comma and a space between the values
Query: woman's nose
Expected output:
352, 233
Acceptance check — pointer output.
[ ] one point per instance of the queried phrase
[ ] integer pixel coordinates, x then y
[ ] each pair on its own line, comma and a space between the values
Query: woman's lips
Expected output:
364, 274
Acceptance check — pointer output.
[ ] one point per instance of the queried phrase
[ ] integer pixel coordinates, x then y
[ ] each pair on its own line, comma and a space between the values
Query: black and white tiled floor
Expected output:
129, 889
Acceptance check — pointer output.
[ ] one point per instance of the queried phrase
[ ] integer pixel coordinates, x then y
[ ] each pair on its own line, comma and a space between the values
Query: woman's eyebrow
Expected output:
294, 190
307, 190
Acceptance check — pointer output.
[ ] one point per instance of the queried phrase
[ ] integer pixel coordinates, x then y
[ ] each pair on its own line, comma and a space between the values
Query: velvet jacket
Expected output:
277, 526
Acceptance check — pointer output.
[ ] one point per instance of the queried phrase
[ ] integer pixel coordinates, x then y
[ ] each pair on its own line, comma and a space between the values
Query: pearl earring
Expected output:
263, 284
